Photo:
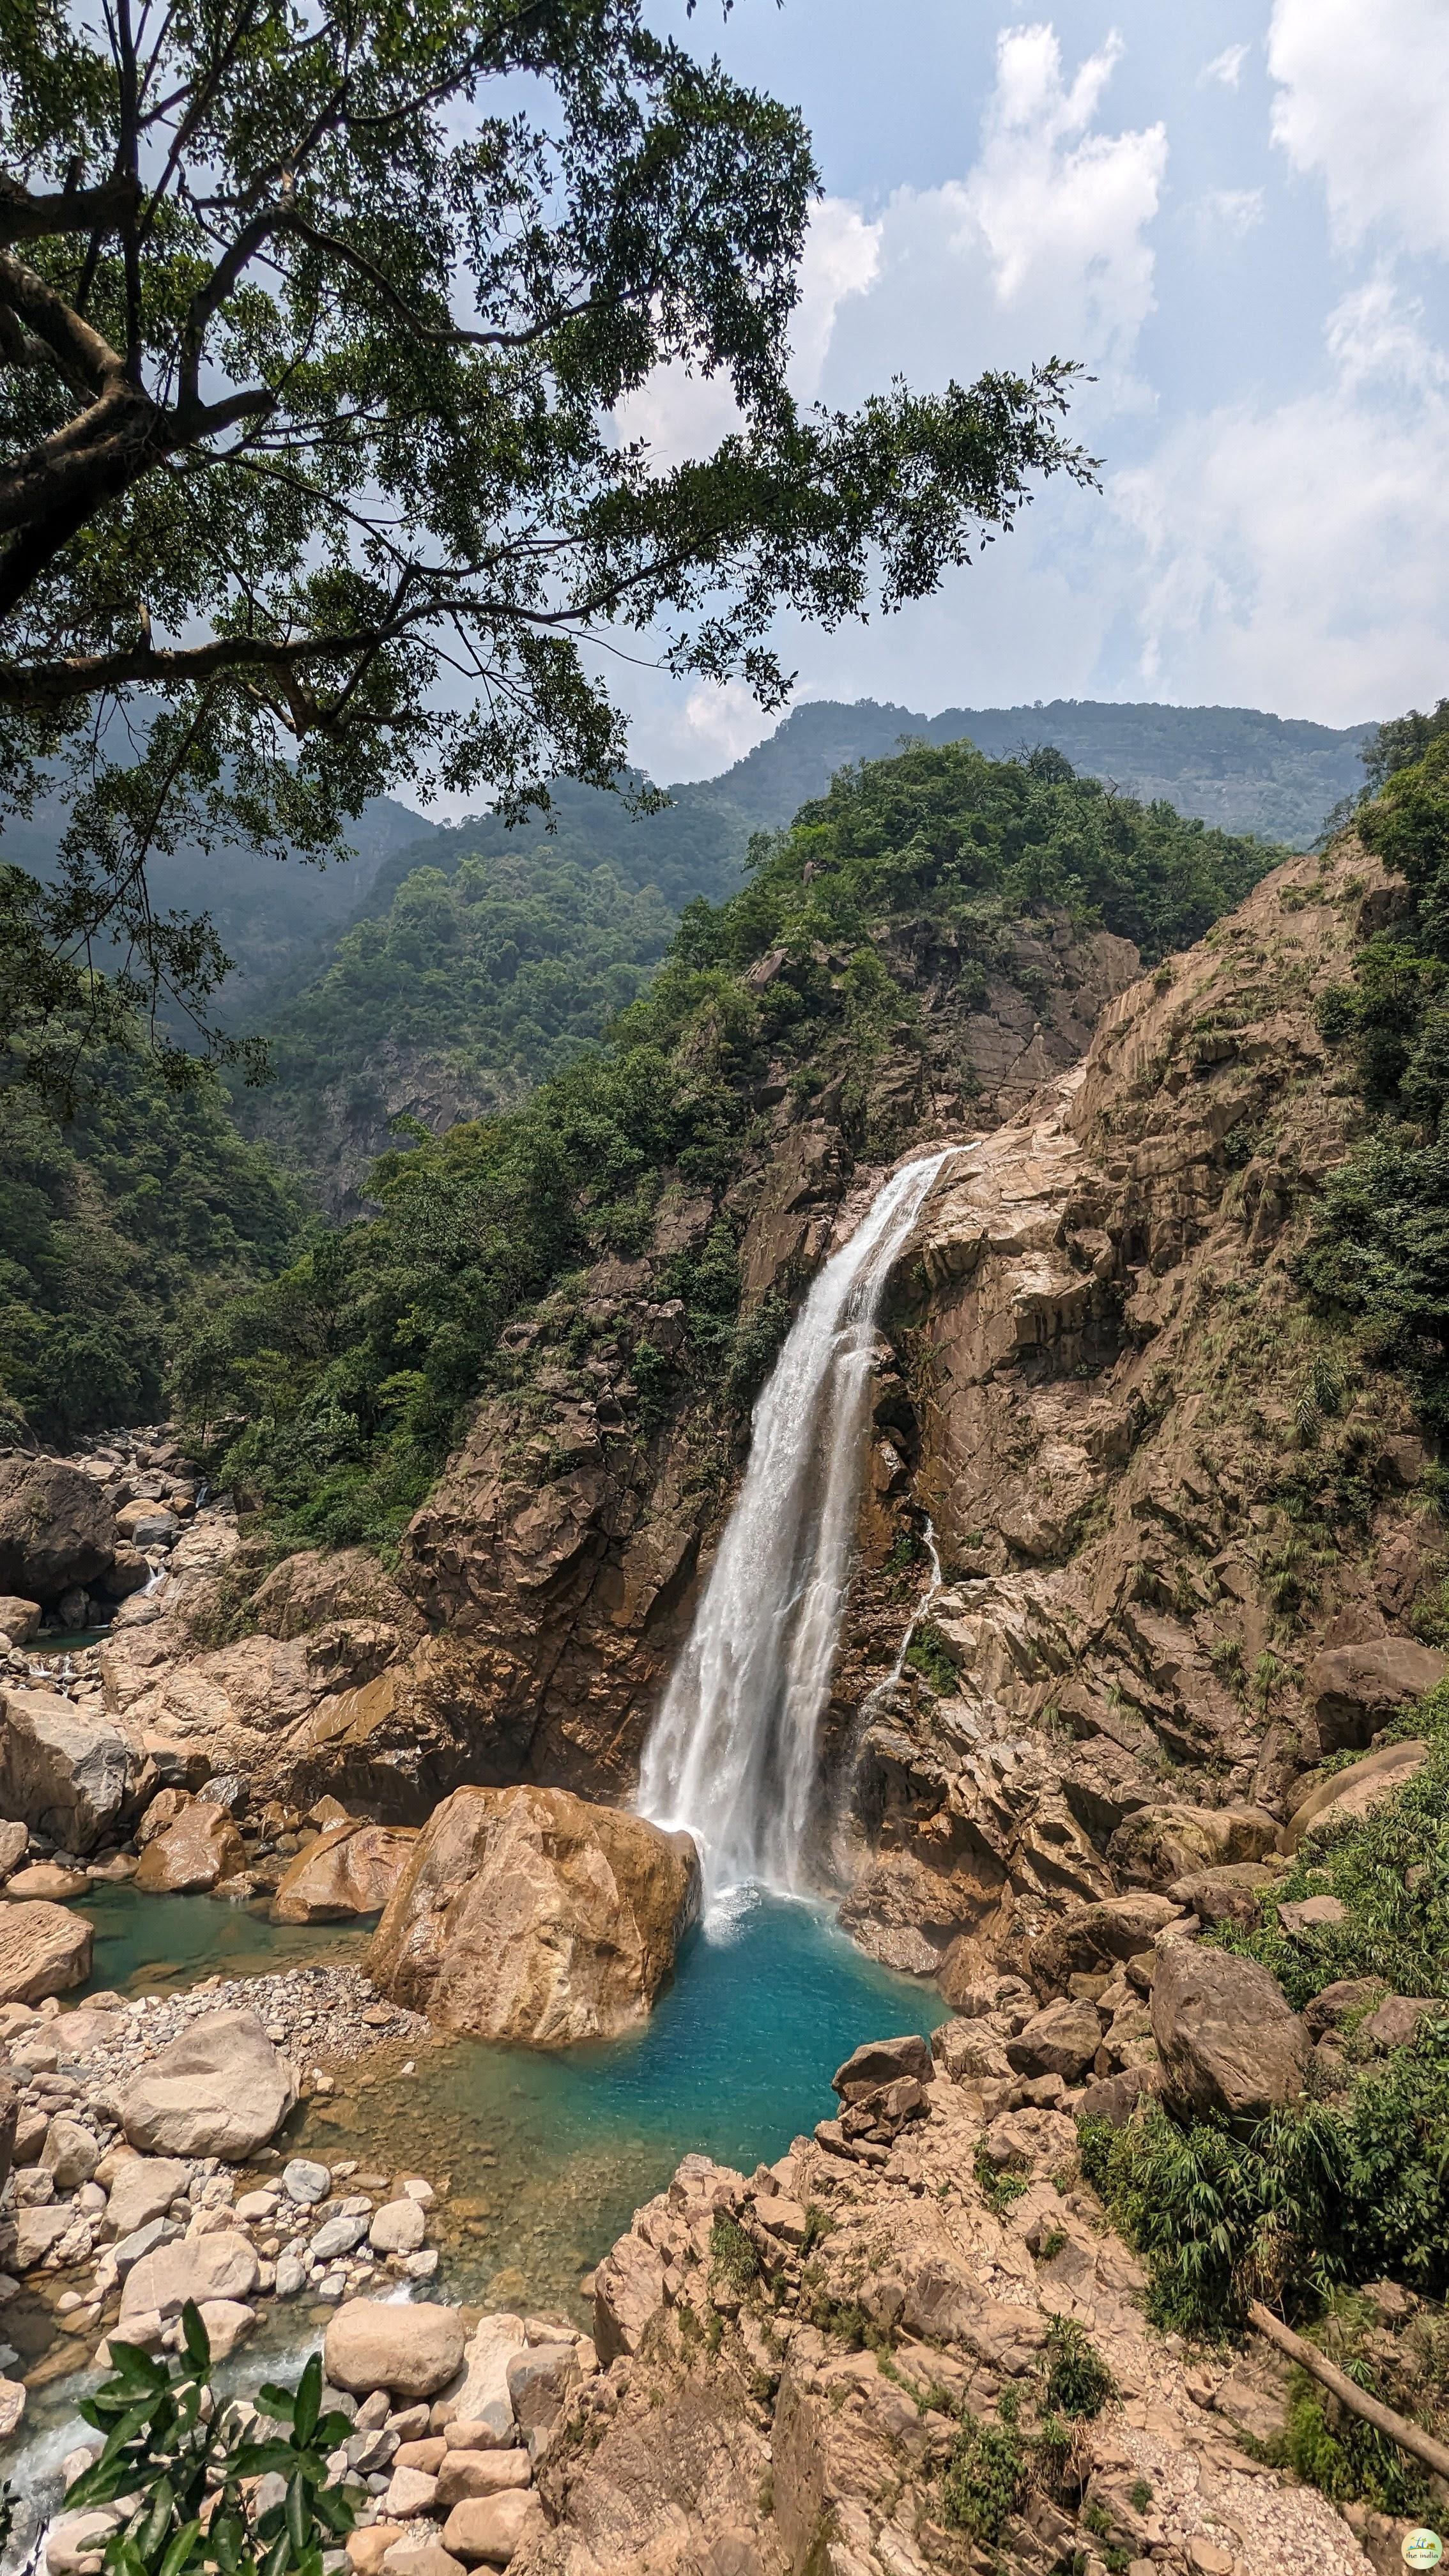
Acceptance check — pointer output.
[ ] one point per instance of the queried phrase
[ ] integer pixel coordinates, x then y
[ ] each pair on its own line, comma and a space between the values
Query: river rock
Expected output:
223, 2266
480, 2399
1354, 1690
56, 1528
492, 2528
412, 2351
219, 2090
12, 2406
466, 2475
541, 2380
305, 2182
228, 2322
530, 1915
399, 2227
43, 1951
63, 1773
881, 2062
75, 2541
14, 1844
1226, 2036
1348, 1796
125, 1574
339, 2235
196, 1853
18, 1619
9, 2123
420, 2558
143, 2188
162, 1813
70, 2153
45, 1878
38, 2230
351, 1870
628, 2291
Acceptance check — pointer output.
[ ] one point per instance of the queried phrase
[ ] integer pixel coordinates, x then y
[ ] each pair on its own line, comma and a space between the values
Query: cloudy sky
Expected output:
1237, 215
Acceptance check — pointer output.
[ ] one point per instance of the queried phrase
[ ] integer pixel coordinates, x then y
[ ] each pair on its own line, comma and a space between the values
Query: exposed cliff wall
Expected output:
1161, 1489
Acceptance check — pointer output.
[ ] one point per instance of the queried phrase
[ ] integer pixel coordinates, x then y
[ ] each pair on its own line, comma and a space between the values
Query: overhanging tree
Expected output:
315, 321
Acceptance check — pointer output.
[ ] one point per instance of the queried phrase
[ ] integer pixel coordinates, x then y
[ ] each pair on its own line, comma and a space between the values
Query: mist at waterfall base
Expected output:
733, 1756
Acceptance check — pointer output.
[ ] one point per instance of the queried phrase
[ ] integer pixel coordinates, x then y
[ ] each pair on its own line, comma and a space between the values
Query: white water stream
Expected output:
732, 1755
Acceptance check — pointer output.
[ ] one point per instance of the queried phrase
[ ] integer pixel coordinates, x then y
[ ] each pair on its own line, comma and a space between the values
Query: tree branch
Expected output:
1409, 2437
24, 218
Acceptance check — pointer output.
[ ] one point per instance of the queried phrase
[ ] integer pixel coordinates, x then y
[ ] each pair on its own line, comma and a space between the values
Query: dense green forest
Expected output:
148, 1199
439, 1006
340, 1386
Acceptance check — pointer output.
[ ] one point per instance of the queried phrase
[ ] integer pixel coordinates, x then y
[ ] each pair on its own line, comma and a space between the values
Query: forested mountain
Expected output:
485, 959
920, 874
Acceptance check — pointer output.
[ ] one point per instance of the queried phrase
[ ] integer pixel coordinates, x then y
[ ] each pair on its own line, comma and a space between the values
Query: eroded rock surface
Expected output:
527, 1914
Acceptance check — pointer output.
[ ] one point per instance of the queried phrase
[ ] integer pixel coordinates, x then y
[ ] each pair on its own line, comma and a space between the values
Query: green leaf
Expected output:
275, 2561
183, 2547
272, 2400
309, 2400
334, 2507
153, 2529
131, 2371
196, 2339
227, 2539
299, 2519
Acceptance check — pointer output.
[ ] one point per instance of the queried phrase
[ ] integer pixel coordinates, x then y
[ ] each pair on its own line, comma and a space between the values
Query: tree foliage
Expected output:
186, 2468
315, 329
1379, 1251
145, 1201
345, 1381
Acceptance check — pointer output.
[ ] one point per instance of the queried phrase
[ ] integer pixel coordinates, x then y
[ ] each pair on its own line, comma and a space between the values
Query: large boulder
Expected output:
18, 1619
1227, 2039
350, 1870
528, 1914
1160, 1844
1347, 1796
1062, 2039
1092, 1940
221, 2266
66, 1774
57, 1529
219, 2090
192, 1855
1354, 1690
883, 2061
411, 2351
44, 1950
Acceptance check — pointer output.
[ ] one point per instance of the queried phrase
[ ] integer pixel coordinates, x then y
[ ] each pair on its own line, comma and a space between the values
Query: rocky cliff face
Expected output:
1166, 1500
1181, 1545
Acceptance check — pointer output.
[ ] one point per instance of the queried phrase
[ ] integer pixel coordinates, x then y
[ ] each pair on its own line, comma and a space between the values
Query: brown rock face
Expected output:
56, 1528
526, 1914
196, 1853
1354, 1793
351, 1870
1354, 1690
43, 1951
1226, 2037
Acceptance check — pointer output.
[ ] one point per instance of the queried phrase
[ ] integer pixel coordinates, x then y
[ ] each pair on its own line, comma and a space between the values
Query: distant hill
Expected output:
481, 960
1277, 776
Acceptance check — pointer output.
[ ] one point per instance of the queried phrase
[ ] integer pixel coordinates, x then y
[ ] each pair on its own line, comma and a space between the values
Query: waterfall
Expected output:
732, 1753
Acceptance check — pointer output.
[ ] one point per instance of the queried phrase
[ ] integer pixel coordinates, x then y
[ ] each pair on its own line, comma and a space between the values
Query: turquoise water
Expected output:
546, 2156
155, 1944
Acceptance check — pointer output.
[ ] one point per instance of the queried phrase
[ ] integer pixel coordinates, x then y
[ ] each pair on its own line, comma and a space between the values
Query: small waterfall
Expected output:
732, 1754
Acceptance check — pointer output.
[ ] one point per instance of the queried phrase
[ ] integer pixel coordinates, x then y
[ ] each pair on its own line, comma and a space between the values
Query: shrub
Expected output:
1078, 2380
185, 2466
731, 2253
986, 2480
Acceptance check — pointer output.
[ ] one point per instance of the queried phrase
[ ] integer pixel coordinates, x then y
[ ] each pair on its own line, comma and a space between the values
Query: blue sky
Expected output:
1238, 217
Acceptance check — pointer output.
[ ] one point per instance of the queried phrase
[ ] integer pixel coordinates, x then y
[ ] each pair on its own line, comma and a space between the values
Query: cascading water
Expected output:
732, 1754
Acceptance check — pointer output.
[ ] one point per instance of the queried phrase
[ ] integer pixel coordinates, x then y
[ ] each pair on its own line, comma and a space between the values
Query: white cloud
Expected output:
1363, 104
1064, 211
1292, 553
1226, 67
720, 726
1235, 211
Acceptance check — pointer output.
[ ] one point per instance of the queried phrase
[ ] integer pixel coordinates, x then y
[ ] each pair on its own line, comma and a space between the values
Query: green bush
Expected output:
1078, 2380
986, 2480
185, 2466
